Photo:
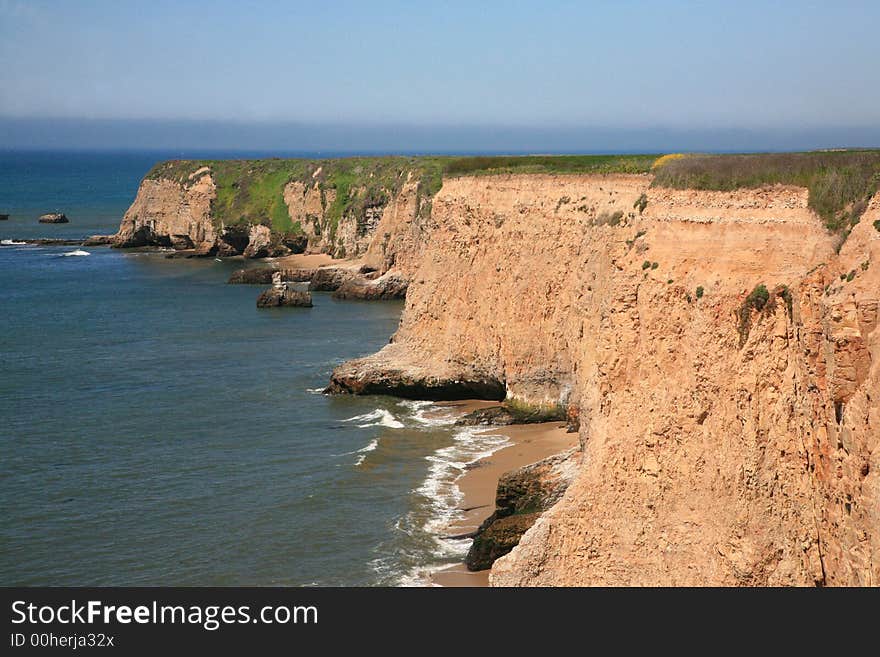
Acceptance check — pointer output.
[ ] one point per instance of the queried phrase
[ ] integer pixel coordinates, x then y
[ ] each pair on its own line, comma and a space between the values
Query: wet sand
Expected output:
530, 443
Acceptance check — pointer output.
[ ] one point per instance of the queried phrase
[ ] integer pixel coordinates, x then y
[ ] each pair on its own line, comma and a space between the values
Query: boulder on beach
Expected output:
54, 218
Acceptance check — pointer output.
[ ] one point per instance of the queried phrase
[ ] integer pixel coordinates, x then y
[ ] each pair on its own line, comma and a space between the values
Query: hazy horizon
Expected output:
462, 77
290, 137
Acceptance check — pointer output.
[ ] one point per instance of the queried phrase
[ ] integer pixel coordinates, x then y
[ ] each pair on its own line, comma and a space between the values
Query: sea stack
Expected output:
54, 218
284, 294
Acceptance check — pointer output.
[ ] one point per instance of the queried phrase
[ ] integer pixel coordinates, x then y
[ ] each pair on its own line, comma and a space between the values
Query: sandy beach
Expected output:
309, 261
530, 443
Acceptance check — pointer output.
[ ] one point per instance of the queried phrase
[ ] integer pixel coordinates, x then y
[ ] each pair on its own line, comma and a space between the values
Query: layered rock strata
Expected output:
714, 451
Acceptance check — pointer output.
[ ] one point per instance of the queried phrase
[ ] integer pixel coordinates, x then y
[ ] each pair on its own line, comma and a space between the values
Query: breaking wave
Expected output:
378, 418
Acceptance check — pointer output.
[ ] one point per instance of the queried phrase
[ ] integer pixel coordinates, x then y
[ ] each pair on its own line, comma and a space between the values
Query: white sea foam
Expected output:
315, 391
443, 498
378, 418
420, 411
448, 464
11, 243
78, 252
363, 451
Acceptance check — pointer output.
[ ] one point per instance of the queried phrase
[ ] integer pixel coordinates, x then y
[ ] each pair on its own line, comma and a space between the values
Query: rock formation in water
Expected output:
54, 218
284, 294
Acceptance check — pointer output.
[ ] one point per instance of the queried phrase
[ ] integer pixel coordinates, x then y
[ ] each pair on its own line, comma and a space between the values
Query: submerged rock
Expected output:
54, 218
276, 297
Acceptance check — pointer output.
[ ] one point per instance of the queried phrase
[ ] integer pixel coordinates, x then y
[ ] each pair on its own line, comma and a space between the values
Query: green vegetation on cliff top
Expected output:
840, 182
251, 191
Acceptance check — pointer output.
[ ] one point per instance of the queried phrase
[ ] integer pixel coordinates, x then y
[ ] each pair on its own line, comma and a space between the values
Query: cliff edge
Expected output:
721, 356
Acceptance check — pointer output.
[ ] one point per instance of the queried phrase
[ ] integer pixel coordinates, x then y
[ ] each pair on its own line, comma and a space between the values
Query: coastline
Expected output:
528, 443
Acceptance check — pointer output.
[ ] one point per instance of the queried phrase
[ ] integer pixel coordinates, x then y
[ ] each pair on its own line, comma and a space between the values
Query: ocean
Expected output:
157, 429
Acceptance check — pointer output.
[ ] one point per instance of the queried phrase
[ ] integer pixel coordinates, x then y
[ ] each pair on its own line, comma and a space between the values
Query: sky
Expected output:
500, 75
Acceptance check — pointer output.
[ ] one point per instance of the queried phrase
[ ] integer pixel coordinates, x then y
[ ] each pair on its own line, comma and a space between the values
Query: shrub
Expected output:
669, 282
641, 203
646, 264
851, 276
757, 300
666, 159
608, 218
700, 292
654, 265
758, 297
785, 293
865, 265
877, 225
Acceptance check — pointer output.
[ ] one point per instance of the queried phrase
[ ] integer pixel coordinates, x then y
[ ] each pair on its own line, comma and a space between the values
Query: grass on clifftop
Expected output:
252, 191
840, 182
549, 164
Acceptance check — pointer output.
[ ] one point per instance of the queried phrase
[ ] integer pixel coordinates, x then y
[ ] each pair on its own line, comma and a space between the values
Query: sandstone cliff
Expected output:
348, 209
726, 438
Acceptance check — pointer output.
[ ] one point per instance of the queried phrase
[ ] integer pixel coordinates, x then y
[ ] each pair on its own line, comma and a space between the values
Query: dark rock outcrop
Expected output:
54, 218
263, 275
143, 236
521, 497
296, 243
399, 383
391, 285
275, 297
513, 414
98, 240
4, 217
181, 242
493, 415
497, 538
233, 241
298, 275
252, 276
329, 279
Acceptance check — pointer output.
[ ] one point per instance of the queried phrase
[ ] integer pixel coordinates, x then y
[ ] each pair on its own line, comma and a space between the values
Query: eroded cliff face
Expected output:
378, 232
167, 213
720, 446
178, 214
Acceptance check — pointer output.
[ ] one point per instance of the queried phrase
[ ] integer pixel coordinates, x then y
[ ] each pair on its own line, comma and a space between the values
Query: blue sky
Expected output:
536, 65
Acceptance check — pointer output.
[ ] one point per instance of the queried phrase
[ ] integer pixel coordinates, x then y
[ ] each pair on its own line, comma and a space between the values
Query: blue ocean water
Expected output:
157, 429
